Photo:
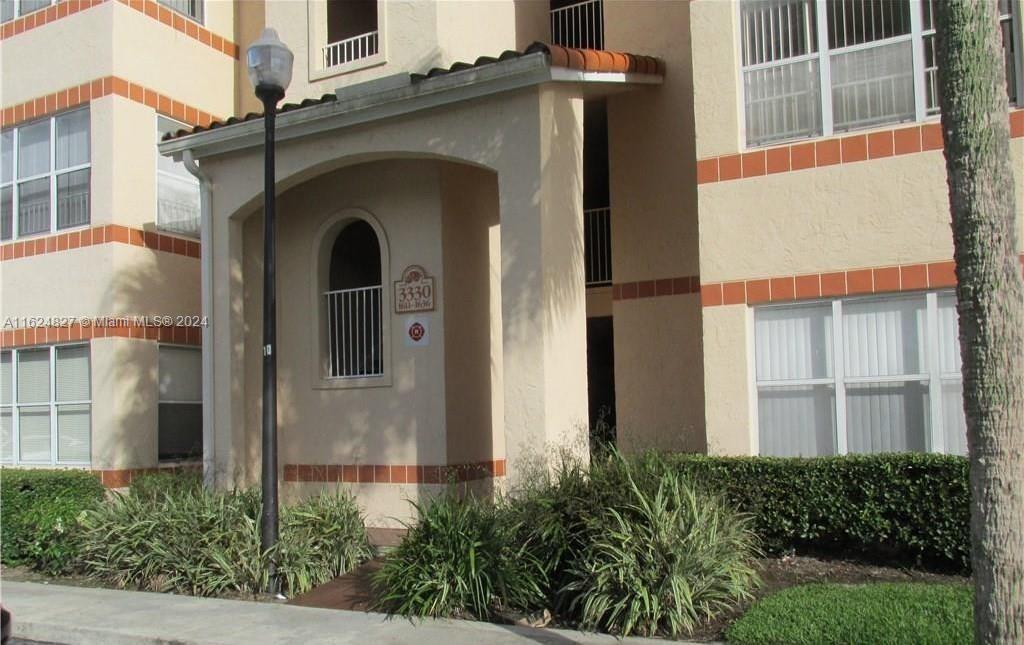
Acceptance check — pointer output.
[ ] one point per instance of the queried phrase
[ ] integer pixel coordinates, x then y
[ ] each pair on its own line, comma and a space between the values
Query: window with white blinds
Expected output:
45, 405
859, 376
180, 415
45, 175
814, 67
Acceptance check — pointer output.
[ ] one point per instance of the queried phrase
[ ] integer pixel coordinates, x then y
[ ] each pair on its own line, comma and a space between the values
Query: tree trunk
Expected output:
990, 295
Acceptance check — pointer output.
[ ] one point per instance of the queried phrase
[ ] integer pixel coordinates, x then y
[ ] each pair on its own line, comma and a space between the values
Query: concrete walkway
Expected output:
85, 616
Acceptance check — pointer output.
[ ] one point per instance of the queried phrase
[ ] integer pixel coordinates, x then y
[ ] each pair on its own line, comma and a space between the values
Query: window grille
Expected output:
579, 24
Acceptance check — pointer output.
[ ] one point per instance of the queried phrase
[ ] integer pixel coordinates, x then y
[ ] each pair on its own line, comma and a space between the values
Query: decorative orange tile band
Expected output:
101, 327
652, 288
829, 152
150, 8
82, 94
107, 234
393, 473
890, 279
123, 477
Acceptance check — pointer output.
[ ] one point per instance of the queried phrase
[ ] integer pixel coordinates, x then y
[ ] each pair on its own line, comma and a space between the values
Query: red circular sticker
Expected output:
416, 331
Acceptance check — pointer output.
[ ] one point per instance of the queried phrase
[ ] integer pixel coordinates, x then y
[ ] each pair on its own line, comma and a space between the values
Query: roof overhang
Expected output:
392, 96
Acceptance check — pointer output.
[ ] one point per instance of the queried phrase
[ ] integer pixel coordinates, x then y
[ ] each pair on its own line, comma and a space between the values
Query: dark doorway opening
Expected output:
601, 381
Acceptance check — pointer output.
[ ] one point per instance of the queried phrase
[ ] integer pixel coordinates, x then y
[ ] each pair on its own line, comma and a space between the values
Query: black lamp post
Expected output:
270, 70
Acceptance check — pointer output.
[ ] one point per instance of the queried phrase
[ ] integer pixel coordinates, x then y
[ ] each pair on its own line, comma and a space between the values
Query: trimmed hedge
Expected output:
910, 508
38, 510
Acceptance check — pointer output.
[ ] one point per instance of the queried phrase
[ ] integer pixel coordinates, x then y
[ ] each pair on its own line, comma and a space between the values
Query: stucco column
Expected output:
543, 301
229, 455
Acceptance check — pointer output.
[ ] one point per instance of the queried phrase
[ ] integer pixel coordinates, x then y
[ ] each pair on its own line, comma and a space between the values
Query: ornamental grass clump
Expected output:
460, 559
205, 543
661, 563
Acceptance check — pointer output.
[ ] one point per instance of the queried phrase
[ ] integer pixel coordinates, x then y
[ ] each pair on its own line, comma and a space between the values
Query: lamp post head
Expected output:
269, 62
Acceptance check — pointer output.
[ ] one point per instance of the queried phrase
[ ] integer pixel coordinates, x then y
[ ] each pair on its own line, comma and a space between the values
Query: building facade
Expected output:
100, 274
701, 226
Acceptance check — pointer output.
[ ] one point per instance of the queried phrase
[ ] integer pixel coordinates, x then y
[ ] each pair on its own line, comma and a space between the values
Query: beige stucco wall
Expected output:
731, 405
415, 36
124, 403
400, 423
659, 389
659, 396
114, 39
716, 77
472, 306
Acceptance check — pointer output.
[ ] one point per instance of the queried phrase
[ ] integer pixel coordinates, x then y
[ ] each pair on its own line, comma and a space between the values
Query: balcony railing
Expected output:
177, 204
351, 49
354, 333
579, 25
597, 247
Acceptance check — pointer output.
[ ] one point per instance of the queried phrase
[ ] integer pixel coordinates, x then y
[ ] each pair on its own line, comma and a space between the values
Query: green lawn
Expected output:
867, 613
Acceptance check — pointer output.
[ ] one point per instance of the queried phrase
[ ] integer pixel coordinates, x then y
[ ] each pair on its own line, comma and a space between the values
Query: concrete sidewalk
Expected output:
105, 616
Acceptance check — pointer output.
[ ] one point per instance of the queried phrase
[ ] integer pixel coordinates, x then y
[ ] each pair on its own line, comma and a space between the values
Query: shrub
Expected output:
662, 562
153, 485
872, 613
207, 543
912, 508
37, 516
460, 558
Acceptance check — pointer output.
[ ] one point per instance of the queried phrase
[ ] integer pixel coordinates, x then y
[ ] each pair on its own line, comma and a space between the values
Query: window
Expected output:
44, 175
45, 405
190, 8
177, 190
180, 414
816, 68
10, 9
354, 309
859, 376
353, 32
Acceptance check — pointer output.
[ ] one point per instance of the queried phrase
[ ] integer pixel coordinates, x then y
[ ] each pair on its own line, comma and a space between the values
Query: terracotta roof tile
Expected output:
587, 60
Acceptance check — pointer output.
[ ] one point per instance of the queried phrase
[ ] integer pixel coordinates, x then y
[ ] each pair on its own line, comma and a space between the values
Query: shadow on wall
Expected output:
125, 368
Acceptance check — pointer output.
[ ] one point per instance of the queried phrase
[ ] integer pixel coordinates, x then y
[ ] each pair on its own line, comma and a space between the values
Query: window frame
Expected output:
932, 374
823, 55
52, 174
319, 343
316, 24
54, 404
160, 401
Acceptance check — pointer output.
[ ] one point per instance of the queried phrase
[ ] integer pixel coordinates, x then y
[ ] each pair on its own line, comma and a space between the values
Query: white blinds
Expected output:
181, 374
873, 86
73, 373
73, 432
72, 144
34, 149
6, 376
34, 433
6, 156
885, 376
46, 424
34, 376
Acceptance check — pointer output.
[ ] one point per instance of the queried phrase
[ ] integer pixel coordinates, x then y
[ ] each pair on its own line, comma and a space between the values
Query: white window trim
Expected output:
916, 37
53, 404
317, 38
52, 174
934, 377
